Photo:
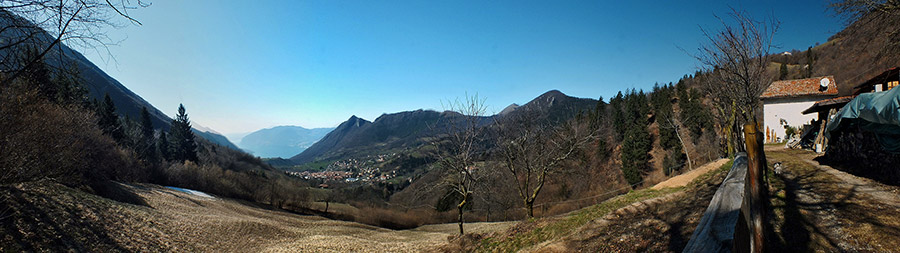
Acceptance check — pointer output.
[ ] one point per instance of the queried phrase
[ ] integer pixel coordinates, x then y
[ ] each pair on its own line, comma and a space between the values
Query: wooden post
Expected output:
755, 189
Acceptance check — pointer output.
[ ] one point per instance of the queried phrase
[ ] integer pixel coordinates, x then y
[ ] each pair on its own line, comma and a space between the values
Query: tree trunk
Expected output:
684, 148
530, 207
460, 209
326, 206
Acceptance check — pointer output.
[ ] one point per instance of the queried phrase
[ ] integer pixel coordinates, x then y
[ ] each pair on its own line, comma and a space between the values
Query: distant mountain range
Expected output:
281, 141
411, 129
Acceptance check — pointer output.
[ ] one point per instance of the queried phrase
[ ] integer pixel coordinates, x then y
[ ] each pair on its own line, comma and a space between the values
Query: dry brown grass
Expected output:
48, 216
642, 220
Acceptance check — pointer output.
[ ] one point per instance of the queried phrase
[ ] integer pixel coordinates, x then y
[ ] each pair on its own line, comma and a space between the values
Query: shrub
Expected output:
40, 139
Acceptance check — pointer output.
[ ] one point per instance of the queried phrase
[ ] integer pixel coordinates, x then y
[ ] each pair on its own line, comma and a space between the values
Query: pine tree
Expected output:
109, 119
38, 74
183, 147
637, 141
162, 144
693, 115
618, 115
783, 72
146, 145
70, 89
810, 58
146, 124
635, 153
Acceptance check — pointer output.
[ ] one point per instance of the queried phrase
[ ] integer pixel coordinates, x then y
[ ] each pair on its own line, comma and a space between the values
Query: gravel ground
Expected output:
818, 208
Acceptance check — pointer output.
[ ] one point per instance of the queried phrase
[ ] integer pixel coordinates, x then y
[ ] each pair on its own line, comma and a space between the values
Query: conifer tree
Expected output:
783, 72
68, 83
162, 144
146, 124
637, 142
146, 143
38, 74
810, 59
183, 147
618, 115
662, 111
109, 119
635, 153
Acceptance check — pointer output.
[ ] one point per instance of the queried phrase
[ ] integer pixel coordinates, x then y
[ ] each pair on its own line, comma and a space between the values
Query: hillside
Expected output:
216, 138
553, 106
166, 219
282, 141
859, 52
408, 130
642, 220
333, 139
358, 137
98, 84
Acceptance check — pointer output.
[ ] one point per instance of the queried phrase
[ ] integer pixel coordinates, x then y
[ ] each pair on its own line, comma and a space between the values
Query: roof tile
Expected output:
800, 88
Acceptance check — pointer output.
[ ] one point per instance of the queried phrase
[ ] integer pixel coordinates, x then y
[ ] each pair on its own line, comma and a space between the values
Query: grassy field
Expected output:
48, 216
600, 227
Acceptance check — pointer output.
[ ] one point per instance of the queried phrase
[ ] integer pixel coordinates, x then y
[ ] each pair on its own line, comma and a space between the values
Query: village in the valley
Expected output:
366, 169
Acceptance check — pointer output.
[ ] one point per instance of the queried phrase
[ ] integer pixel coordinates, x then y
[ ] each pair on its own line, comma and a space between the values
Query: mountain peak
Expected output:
548, 99
553, 94
355, 121
509, 109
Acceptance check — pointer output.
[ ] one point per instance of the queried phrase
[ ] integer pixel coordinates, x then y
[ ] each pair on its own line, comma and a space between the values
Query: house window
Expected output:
892, 84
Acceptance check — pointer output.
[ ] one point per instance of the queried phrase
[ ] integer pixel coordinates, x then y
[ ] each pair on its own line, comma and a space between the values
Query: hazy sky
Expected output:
239, 66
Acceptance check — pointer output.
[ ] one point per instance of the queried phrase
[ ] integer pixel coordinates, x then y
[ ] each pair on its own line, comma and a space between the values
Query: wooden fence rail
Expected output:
716, 230
736, 217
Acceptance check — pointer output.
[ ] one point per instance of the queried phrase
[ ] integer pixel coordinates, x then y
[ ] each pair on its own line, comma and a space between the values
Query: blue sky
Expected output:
240, 66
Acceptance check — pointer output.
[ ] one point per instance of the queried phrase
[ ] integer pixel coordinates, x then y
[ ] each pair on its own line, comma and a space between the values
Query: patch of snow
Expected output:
192, 192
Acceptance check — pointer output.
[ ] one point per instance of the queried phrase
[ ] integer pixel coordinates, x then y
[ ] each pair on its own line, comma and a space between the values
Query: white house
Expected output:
784, 103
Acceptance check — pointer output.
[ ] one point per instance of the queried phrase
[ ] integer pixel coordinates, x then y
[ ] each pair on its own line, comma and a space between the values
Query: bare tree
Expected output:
670, 121
532, 150
870, 22
462, 147
853, 10
736, 58
45, 24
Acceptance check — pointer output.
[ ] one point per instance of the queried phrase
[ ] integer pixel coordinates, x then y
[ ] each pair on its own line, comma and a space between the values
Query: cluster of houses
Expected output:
373, 175
324, 175
352, 170
810, 105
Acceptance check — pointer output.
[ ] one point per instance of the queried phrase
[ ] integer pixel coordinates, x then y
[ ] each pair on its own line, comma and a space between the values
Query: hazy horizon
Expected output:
239, 68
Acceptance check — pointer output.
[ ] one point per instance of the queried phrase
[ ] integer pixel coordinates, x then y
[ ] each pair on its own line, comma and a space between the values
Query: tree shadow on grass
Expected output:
799, 229
118, 192
39, 222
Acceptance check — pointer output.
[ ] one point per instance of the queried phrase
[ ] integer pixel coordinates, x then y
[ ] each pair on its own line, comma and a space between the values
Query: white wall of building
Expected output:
790, 111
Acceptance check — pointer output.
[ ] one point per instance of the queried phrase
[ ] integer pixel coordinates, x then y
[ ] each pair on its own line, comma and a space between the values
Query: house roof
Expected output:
891, 74
826, 104
800, 88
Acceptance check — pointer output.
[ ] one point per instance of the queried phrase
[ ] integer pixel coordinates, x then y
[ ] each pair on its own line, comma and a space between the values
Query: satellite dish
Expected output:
824, 83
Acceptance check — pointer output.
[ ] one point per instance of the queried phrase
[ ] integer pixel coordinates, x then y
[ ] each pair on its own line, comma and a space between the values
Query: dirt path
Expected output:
885, 194
819, 208
684, 179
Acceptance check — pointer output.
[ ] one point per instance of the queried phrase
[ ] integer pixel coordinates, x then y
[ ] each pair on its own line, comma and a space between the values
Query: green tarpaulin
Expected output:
877, 112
